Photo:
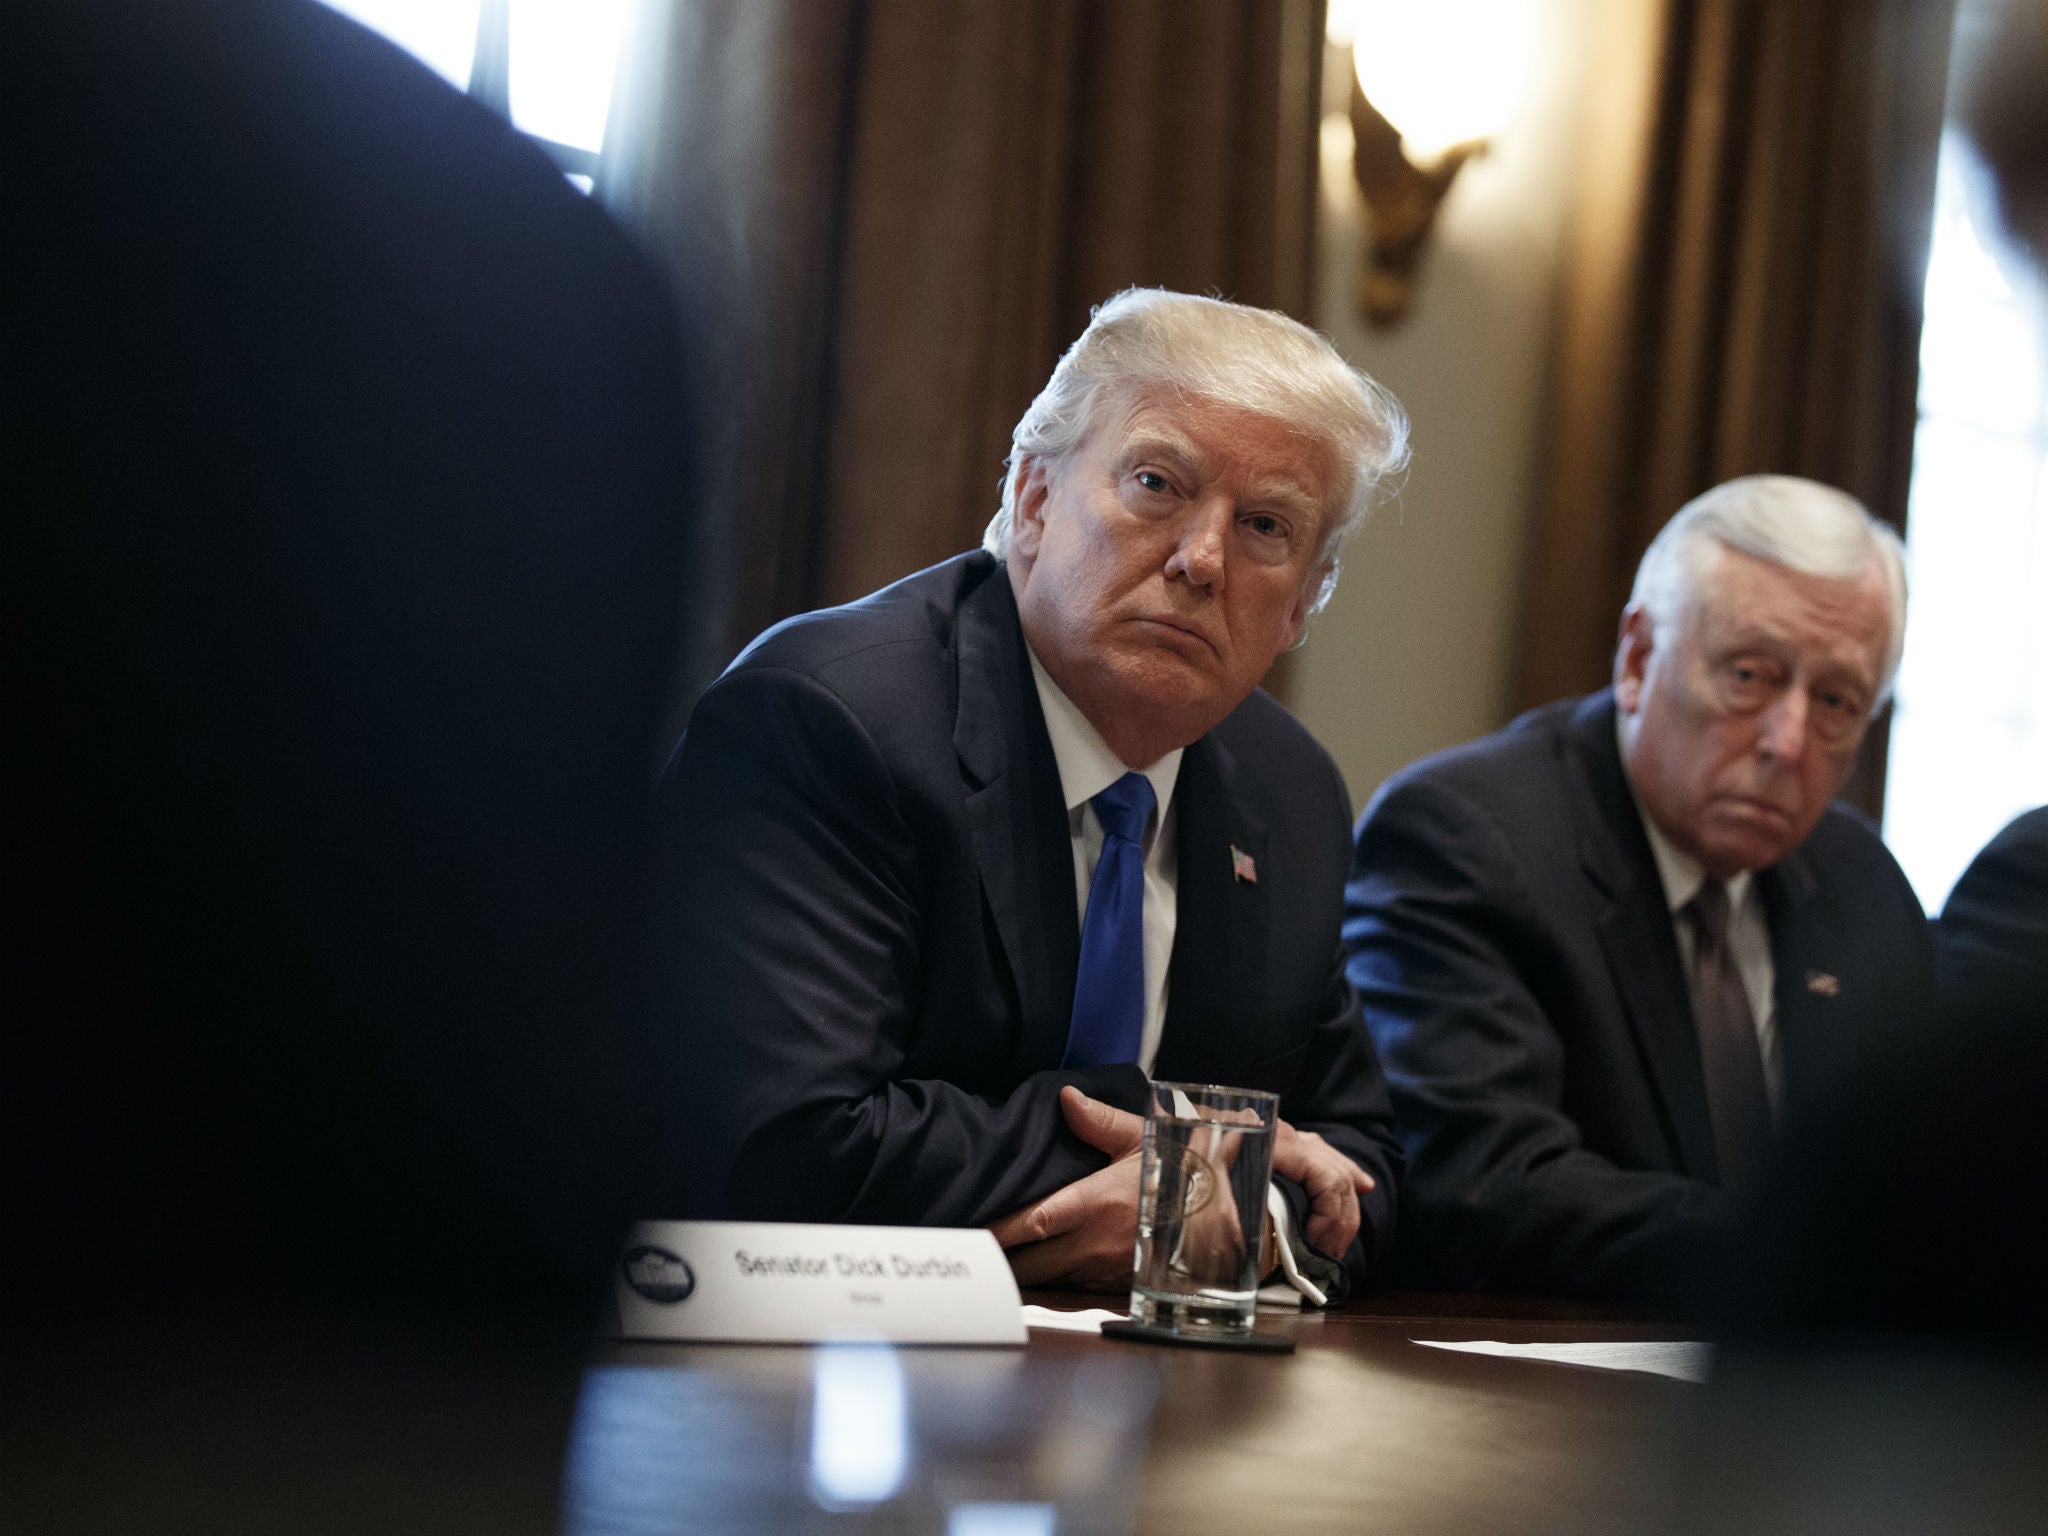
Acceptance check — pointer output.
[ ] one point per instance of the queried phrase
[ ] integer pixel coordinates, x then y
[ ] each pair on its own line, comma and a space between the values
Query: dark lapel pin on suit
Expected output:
1821, 984
1242, 866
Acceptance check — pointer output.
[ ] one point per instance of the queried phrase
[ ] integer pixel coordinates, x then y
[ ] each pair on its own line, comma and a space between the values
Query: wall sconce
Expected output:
1432, 82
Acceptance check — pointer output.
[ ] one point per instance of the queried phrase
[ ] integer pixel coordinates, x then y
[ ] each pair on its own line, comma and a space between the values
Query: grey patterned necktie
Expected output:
1733, 1061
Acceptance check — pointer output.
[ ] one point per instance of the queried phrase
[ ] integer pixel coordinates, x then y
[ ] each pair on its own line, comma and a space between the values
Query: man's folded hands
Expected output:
1082, 1236
1331, 1180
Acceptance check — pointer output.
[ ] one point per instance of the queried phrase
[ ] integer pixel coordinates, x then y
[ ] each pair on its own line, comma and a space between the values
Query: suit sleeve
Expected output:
792, 899
1341, 1095
1445, 932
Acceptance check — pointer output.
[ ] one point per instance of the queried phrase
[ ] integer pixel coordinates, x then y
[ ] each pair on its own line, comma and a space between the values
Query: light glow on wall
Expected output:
1443, 72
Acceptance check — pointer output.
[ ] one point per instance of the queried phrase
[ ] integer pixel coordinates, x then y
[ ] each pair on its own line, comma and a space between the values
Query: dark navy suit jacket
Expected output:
1948, 1240
1992, 941
1511, 942
873, 920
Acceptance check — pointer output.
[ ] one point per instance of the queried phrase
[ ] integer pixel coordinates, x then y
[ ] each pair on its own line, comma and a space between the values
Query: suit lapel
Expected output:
1017, 818
1637, 938
1214, 1007
1805, 975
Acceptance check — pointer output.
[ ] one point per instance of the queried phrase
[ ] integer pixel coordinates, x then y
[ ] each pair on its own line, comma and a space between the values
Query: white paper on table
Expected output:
1679, 1359
1088, 1321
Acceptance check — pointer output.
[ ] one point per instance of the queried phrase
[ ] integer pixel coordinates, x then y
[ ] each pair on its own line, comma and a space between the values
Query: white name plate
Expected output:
765, 1282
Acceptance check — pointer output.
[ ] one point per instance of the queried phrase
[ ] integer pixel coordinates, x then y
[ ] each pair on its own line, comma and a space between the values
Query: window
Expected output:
546, 64
1969, 742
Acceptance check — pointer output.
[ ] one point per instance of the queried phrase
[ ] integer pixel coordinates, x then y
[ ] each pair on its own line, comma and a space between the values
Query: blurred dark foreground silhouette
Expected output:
345, 457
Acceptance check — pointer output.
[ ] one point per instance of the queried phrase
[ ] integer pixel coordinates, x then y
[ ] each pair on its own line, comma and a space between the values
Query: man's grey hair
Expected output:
1801, 524
1231, 354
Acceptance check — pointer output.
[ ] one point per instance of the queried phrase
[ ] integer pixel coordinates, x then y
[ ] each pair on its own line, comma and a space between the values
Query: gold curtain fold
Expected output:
1742, 291
891, 216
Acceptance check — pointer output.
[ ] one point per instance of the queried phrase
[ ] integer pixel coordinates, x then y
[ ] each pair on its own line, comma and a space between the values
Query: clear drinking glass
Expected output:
1202, 1207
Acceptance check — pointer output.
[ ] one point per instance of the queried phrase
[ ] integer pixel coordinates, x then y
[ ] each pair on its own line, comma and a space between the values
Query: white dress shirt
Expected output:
1088, 767
1749, 936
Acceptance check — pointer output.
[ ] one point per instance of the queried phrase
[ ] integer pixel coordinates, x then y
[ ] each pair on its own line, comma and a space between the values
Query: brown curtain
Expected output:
890, 218
1743, 288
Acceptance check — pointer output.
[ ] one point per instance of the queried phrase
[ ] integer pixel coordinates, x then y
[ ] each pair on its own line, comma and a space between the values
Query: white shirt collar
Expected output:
1086, 763
1679, 872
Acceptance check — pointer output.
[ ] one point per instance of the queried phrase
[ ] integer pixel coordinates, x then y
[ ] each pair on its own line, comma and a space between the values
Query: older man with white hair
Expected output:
956, 866
1602, 951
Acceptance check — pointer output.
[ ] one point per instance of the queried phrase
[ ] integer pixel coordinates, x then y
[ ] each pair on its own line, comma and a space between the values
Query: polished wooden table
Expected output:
1361, 1429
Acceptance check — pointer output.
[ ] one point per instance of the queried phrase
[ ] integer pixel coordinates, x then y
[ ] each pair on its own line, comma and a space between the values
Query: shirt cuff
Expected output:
1286, 1241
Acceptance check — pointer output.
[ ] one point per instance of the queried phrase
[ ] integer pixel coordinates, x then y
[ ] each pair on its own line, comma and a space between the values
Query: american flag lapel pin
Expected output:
1242, 866
1821, 984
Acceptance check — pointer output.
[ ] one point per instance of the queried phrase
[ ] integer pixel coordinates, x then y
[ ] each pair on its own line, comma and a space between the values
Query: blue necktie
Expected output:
1109, 988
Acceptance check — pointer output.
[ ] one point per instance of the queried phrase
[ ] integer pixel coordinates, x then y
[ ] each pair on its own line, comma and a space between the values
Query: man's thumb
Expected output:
1103, 1126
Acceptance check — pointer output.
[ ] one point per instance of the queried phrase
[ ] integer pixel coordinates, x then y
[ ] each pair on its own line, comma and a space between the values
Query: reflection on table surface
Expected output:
1361, 1429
